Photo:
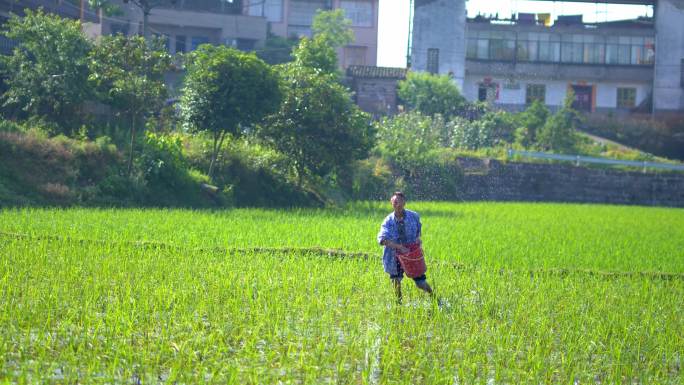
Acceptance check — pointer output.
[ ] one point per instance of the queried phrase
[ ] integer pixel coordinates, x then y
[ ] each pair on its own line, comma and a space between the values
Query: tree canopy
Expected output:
431, 94
226, 91
47, 74
318, 126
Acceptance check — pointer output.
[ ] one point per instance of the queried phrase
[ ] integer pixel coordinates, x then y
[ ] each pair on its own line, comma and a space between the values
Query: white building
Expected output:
629, 65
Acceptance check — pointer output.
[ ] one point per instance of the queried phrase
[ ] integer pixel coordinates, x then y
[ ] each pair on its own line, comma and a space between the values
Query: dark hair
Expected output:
399, 194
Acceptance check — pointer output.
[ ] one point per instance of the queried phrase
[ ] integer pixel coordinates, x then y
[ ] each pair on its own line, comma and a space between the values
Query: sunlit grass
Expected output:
112, 311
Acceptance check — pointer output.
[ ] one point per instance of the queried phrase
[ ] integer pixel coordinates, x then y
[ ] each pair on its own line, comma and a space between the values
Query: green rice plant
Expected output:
530, 293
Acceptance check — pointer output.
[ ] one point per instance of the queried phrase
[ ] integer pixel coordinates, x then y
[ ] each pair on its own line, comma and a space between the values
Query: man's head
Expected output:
398, 201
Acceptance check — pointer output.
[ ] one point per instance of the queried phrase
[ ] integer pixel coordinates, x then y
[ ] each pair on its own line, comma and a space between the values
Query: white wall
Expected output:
606, 93
668, 91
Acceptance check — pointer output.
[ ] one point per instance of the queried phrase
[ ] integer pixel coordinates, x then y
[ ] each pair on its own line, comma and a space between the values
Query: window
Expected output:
272, 10
302, 12
682, 71
549, 51
433, 60
502, 49
197, 41
528, 50
180, 43
626, 97
482, 94
488, 92
360, 12
117, 28
471, 49
245, 44
354, 56
535, 92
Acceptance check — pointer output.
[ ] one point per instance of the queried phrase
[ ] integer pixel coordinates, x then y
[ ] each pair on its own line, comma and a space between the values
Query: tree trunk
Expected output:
146, 23
218, 143
130, 152
300, 175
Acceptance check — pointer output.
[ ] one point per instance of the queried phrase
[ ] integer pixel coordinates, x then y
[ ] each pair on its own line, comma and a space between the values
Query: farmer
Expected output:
400, 229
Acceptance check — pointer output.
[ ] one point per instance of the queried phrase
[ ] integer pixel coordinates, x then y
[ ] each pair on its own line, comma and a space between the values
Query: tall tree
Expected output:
226, 91
128, 74
47, 74
318, 126
330, 31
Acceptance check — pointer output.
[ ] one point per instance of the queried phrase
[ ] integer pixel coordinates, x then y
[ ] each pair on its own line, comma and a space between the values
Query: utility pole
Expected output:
82, 11
409, 43
146, 7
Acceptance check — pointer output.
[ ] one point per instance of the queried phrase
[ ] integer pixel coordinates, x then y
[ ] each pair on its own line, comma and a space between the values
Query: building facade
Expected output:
63, 8
634, 65
293, 18
187, 23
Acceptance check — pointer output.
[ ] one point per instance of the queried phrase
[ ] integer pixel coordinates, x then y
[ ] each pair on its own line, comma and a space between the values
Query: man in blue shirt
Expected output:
400, 228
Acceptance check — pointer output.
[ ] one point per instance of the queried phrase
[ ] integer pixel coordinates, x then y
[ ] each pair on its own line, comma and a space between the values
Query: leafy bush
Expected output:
10, 126
492, 129
248, 174
559, 133
409, 140
373, 179
432, 94
530, 122
660, 136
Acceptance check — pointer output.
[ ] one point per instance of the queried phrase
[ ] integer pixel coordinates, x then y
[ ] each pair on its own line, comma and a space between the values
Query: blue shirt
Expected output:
390, 230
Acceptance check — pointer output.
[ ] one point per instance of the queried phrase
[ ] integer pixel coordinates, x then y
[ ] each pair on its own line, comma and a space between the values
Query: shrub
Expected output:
492, 129
409, 140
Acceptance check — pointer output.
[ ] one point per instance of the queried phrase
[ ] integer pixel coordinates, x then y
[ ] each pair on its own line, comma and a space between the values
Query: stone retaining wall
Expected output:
490, 179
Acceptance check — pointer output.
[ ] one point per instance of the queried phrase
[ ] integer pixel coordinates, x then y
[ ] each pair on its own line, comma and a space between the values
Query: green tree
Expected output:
530, 122
333, 28
226, 91
331, 31
559, 133
128, 73
277, 50
47, 74
432, 94
318, 126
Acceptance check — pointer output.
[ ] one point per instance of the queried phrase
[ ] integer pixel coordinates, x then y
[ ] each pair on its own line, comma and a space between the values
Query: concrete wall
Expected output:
512, 94
668, 91
376, 96
219, 28
494, 180
364, 36
440, 24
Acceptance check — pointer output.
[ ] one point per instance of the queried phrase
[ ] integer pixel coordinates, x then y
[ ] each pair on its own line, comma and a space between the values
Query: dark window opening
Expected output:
626, 97
246, 44
583, 98
535, 92
180, 43
433, 60
197, 41
482, 94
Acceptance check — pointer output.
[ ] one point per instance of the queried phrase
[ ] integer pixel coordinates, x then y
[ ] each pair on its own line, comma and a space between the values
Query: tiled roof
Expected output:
376, 72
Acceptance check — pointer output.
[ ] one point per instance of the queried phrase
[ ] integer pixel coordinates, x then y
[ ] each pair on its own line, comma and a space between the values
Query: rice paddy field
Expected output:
529, 294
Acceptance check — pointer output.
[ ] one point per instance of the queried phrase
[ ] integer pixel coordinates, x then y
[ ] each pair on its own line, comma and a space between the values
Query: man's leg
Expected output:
421, 282
396, 283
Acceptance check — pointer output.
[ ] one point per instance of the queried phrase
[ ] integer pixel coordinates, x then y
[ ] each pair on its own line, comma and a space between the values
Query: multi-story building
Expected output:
293, 18
614, 66
187, 24
71, 9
